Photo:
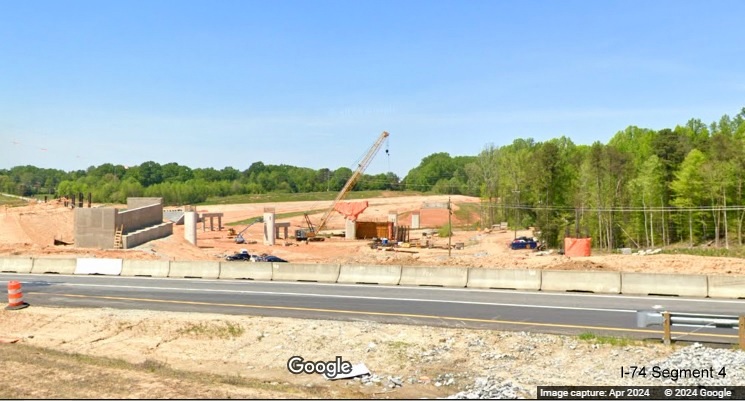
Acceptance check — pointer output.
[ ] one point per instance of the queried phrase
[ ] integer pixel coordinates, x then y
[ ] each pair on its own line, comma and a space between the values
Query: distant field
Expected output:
309, 196
279, 216
10, 201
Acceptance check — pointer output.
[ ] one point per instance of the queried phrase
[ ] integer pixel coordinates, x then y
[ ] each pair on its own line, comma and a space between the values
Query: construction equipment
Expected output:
239, 237
312, 231
308, 234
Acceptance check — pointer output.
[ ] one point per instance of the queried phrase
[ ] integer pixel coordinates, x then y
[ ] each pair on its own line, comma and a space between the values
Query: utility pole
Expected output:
517, 210
450, 227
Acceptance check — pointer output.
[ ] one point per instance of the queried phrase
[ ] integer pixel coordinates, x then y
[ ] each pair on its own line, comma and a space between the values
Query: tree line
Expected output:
644, 188
179, 185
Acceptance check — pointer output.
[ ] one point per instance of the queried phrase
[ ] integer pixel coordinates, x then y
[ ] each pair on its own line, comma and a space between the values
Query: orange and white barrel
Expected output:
15, 296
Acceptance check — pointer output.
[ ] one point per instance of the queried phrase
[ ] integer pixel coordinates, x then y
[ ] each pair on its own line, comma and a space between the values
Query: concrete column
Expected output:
393, 217
269, 230
350, 229
415, 221
190, 227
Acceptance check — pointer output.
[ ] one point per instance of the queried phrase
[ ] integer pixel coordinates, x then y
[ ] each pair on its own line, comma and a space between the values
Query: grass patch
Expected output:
465, 214
221, 331
11, 201
398, 345
734, 251
615, 341
298, 197
278, 216
105, 378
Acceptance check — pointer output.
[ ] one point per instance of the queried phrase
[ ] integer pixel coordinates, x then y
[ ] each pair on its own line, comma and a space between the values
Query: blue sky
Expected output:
313, 83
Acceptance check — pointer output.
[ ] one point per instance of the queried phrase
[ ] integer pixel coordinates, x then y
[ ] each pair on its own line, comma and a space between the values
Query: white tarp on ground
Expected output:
357, 370
111, 267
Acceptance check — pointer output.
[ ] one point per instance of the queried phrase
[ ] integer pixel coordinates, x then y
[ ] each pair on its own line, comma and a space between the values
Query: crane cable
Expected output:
387, 153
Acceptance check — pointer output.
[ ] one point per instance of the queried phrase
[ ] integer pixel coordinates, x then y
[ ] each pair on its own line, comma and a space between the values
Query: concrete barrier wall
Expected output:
389, 275
246, 270
145, 268
590, 281
726, 286
148, 234
516, 279
16, 265
547, 280
195, 269
54, 265
111, 267
322, 273
434, 276
664, 284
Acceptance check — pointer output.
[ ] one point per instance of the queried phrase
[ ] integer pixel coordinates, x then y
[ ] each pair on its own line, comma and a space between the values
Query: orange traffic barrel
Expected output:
15, 296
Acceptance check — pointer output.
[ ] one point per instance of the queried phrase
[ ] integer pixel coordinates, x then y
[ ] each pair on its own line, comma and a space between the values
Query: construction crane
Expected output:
349, 185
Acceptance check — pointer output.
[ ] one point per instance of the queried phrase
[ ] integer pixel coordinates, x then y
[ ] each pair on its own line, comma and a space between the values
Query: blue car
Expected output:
524, 243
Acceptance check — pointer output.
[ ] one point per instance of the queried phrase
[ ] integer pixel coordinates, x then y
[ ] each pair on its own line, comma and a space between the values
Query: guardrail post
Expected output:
666, 326
741, 332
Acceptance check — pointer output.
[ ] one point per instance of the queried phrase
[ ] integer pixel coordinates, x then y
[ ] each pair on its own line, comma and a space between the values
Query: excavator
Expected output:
239, 236
311, 233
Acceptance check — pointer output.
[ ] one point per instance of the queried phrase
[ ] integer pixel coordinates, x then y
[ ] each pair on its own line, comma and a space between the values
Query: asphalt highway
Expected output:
560, 313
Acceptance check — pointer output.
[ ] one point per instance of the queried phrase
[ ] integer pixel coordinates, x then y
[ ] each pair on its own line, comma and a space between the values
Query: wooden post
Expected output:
450, 227
666, 326
741, 332
90, 197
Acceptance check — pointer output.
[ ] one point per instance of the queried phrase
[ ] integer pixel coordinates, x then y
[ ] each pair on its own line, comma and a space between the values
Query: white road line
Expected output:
348, 297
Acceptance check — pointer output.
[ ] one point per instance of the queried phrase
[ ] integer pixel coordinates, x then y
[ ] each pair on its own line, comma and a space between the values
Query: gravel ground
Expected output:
404, 361
725, 367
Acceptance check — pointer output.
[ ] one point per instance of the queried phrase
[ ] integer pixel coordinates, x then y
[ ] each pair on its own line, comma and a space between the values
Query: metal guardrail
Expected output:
696, 320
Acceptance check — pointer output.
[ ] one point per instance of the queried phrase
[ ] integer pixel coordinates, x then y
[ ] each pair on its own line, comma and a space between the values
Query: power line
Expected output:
622, 209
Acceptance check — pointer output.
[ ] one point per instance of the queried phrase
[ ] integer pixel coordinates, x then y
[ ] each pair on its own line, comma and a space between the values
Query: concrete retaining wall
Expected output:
54, 265
514, 279
16, 265
94, 228
322, 273
434, 276
726, 286
139, 218
145, 268
246, 270
664, 284
390, 275
148, 234
138, 202
589, 281
110, 267
196, 269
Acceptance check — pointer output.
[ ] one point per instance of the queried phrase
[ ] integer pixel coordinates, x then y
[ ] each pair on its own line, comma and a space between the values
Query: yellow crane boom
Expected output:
353, 179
